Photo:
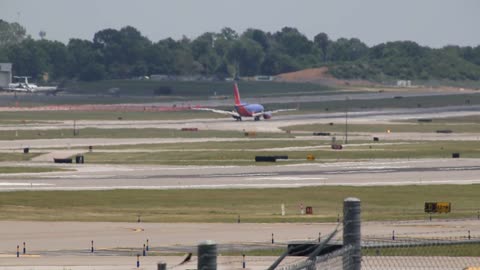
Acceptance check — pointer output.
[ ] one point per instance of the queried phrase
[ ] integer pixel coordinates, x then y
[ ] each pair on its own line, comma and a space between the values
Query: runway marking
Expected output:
359, 171
24, 184
286, 178
240, 174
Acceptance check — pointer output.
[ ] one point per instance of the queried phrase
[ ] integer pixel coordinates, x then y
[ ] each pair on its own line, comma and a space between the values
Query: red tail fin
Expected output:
236, 94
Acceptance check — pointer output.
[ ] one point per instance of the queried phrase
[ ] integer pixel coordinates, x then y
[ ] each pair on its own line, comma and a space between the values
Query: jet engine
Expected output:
267, 115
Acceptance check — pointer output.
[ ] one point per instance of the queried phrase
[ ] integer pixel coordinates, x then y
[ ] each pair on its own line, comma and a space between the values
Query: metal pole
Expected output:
207, 255
346, 120
352, 234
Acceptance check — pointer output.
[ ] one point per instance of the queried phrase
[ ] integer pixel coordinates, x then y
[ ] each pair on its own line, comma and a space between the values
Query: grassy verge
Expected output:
197, 88
404, 102
23, 169
468, 250
17, 156
129, 133
253, 205
22, 118
469, 119
214, 154
394, 127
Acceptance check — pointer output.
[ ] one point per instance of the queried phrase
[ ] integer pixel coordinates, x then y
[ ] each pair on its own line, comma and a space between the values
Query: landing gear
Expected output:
257, 118
237, 118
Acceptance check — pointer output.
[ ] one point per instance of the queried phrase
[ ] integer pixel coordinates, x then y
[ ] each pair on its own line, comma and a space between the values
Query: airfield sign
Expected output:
437, 207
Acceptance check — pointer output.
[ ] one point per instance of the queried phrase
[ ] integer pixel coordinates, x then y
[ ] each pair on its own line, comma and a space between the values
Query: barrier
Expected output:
62, 160
321, 133
265, 159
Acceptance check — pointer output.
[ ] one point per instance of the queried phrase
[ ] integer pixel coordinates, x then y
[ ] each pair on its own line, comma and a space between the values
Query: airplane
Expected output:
27, 87
244, 109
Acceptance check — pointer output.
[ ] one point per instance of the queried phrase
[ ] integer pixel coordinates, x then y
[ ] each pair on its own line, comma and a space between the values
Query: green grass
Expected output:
469, 119
253, 144
22, 118
405, 102
215, 154
198, 89
17, 156
394, 127
128, 133
224, 205
24, 169
459, 250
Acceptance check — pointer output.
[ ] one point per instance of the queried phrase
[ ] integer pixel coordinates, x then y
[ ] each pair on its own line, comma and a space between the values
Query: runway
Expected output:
361, 173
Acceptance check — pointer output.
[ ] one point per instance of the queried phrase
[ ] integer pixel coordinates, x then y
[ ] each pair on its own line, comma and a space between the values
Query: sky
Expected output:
433, 23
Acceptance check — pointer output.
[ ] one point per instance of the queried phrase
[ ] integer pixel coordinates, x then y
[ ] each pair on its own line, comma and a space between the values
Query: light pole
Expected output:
346, 120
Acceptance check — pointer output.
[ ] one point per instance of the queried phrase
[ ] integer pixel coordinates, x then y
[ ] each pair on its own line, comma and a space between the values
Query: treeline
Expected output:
126, 53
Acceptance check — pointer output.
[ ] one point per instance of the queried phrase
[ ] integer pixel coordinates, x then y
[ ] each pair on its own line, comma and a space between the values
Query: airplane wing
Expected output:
281, 110
272, 112
16, 89
233, 113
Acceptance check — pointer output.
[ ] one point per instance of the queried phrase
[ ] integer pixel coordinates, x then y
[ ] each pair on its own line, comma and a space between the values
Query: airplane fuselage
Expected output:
248, 110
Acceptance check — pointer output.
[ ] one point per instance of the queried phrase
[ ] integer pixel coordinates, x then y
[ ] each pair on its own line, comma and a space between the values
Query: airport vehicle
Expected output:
244, 109
27, 87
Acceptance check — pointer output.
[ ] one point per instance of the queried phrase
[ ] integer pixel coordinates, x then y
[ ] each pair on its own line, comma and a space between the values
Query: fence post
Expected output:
351, 233
207, 255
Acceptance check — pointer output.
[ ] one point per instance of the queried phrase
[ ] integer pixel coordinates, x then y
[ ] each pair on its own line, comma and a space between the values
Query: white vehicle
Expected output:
27, 87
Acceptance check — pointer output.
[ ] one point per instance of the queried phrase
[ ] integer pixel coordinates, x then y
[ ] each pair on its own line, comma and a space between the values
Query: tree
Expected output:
247, 55
58, 58
259, 36
322, 41
29, 59
11, 34
347, 49
293, 42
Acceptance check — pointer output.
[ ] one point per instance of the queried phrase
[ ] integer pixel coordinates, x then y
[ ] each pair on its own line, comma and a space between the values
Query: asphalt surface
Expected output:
364, 173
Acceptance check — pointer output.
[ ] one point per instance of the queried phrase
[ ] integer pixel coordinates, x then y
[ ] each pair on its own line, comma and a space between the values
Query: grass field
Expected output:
215, 154
468, 250
17, 156
24, 169
394, 127
129, 133
405, 102
22, 118
253, 205
197, 88
469, 119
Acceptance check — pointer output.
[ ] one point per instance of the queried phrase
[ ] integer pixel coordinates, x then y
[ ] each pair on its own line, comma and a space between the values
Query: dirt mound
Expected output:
306, 75
317, 75
314, 75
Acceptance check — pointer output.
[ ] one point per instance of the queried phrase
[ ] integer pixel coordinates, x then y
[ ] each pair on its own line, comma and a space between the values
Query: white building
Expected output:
5, 74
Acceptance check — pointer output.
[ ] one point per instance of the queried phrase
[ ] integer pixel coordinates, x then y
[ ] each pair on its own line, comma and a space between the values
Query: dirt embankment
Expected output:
320, 76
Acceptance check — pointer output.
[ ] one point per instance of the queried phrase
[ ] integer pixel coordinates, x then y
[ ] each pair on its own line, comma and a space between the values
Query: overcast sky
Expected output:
435, 23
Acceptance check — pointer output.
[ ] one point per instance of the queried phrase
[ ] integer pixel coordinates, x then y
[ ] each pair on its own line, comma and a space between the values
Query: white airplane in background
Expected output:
244, 109
27, 87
